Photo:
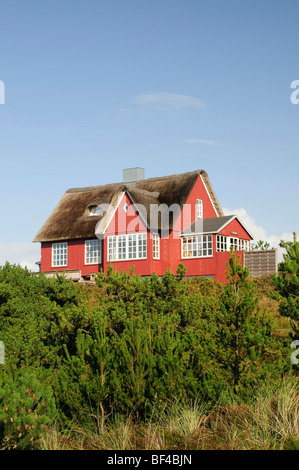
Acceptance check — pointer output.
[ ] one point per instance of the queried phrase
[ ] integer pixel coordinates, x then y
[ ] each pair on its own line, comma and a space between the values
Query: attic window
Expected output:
126, 207
199, 211
95, 210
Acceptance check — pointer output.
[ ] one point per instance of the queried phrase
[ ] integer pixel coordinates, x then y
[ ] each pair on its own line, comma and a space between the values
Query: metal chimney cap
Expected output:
131, 175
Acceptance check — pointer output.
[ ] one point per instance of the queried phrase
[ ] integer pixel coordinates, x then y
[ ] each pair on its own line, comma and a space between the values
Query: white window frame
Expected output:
197, 244
234, 242
221, 243
121, 247
239, 244
89, 244
199, 209
156, 246
111, 247
56, 247
127, 247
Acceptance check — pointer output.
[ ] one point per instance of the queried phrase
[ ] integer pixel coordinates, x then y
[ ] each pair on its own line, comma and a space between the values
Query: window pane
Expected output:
197, 246
92, 251
59, 254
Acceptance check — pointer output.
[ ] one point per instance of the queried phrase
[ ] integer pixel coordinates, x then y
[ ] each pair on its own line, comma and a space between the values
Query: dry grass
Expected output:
271, 422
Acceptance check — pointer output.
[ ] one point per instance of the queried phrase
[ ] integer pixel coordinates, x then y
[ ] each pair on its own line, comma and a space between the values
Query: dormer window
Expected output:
199, 209
95, 210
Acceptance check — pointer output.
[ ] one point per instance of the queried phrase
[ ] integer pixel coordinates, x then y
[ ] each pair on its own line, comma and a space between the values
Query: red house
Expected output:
151, 224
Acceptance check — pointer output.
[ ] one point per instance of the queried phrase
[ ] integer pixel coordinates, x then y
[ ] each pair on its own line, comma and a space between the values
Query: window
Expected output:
197, 246
142, 245
224, 243
93, 252
59, 254
243, 245
199, 210
221, 243
96, 211
234, 243
127, 247
156, 246
121, 247
112, 248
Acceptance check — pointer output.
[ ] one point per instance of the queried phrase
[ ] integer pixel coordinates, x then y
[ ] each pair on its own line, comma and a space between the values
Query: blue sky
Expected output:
92, 87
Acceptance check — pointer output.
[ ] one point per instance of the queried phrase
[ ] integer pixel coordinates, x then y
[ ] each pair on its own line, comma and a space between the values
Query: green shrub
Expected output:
27, 409
130, 345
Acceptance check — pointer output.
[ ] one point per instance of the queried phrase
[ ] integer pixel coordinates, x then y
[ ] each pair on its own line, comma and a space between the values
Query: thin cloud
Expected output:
201, 141
168, 99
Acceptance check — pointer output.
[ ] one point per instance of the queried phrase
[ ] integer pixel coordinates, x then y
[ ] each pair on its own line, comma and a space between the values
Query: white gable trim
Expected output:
137, 210
240, 222
103, 224
216, 212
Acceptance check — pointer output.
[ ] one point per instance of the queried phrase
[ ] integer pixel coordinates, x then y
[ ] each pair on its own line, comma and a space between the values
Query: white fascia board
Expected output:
103, 224
244, 227
209, 195
240, 222
137, 210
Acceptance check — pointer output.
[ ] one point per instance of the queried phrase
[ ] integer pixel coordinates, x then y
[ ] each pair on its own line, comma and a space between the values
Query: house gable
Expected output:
235, 228
210, 205
125, 218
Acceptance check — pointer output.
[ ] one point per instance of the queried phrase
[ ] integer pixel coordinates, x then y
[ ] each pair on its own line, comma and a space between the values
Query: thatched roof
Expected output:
71, 218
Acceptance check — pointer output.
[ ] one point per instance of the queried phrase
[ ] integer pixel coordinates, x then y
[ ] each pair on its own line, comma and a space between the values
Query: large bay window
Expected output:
197, 246
93, 253
127, 247
59, 254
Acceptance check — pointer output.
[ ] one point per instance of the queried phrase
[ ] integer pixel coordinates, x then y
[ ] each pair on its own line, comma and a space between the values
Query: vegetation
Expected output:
261, 245
153, 363
287, 285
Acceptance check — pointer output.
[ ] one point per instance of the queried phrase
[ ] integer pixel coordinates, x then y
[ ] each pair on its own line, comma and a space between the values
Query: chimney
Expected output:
131, 175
